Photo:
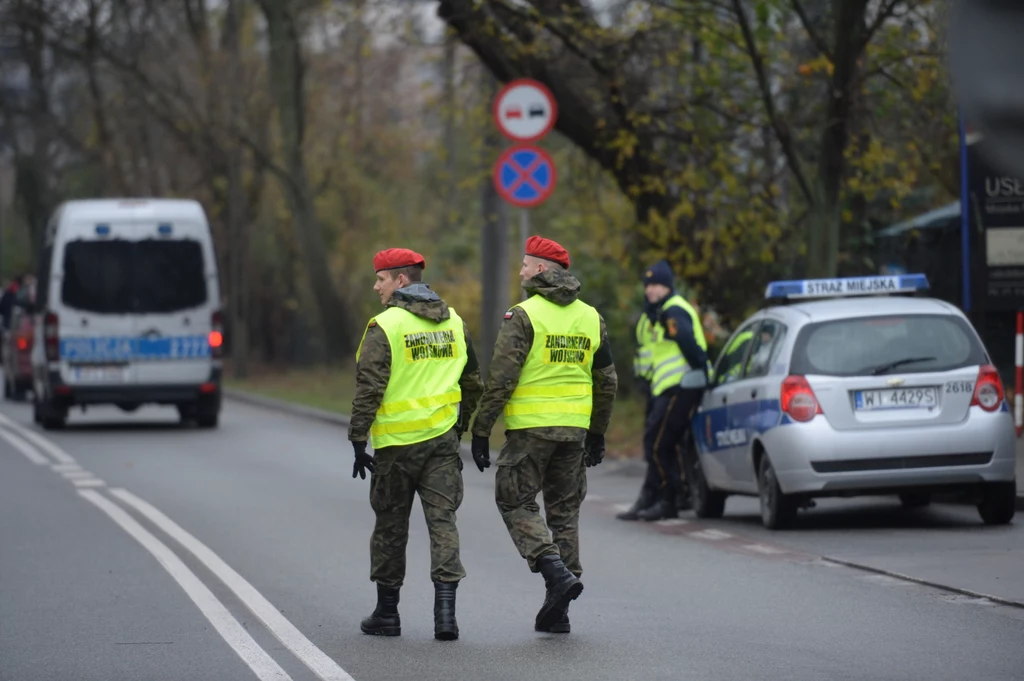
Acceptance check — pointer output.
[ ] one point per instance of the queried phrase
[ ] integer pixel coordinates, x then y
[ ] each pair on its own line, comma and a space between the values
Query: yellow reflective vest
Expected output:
422, 399
642, 360
556, 386
669, 365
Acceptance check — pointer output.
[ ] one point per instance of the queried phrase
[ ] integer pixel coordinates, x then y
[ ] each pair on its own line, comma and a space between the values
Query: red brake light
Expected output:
216, 335
988, 391
22, 343
798, 400
51, 335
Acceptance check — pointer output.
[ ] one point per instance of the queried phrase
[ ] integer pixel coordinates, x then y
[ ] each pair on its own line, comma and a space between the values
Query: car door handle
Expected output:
753, 393
725, 398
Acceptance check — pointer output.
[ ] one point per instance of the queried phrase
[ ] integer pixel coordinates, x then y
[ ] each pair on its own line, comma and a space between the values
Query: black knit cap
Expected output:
659, 273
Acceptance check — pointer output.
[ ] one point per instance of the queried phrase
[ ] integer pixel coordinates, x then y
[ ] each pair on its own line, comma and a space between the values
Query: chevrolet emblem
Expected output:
895, 381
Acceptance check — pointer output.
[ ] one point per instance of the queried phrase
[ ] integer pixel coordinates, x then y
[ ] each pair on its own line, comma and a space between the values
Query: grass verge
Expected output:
332, 389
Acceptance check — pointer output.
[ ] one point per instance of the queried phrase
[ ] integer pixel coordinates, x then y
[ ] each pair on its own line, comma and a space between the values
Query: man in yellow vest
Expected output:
553, 377
678, 349
643, 369
417, 383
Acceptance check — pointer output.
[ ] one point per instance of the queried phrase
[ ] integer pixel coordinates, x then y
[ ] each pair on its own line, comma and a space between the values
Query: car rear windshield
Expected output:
886, 344
134, 277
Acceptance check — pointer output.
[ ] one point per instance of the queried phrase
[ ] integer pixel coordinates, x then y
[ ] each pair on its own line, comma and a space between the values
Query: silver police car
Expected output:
848, 388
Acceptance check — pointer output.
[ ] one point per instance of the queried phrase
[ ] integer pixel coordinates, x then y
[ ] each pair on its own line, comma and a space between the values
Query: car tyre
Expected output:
48, 416
778, 510
998, 502
207, 419
706, 502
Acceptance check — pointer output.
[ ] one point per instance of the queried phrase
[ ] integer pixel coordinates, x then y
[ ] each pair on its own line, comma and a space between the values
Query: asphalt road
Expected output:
133, 549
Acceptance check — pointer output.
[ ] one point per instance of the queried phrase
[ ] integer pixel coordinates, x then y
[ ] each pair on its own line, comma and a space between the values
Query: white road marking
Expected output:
314, 658
89, 482
227, 626
71, 475
670, 522
62, 467
24, 447
622, 508
762, 548
41, 442
713, 535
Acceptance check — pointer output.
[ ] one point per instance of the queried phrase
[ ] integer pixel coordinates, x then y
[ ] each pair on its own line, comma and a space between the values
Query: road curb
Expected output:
922, 582
331, 417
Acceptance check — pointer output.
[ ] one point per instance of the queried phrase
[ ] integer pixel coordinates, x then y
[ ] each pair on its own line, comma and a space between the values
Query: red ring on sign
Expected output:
507, 194
552, 104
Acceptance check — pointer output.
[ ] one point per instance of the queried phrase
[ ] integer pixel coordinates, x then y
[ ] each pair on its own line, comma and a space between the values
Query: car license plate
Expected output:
896, 398
100, 374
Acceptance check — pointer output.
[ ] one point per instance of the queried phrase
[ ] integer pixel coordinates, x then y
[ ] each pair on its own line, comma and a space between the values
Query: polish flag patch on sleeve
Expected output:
508, 315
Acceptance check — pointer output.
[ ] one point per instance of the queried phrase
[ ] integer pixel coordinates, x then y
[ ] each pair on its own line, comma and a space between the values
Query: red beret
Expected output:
539, 247
393, 258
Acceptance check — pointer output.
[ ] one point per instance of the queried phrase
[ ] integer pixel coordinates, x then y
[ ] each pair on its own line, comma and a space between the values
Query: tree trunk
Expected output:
288, 89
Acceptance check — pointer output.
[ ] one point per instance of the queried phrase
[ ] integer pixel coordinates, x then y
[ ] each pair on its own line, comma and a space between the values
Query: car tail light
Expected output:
22, 343
51, 334
216, 336
988, 391
798, 399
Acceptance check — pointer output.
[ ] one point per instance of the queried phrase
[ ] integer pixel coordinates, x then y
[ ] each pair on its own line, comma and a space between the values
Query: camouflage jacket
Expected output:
513, 345
374, 367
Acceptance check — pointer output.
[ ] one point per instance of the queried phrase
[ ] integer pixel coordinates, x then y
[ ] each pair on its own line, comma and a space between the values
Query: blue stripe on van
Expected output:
127, 349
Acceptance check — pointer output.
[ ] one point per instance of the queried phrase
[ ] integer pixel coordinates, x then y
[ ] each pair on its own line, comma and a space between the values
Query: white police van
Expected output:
127, 310
851, 387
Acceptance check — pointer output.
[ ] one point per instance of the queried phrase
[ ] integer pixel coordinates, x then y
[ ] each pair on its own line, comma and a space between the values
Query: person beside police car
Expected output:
643, 369
553, 376
679, 374
417, 383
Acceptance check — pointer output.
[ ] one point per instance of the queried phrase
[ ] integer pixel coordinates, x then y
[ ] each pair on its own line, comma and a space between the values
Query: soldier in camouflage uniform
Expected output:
415, 422
555, 418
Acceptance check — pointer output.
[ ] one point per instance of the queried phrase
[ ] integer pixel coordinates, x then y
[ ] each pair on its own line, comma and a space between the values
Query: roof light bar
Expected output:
846, 287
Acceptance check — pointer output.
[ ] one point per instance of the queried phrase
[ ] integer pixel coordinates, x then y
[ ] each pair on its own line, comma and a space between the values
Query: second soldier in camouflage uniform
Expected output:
430, 464
547, 459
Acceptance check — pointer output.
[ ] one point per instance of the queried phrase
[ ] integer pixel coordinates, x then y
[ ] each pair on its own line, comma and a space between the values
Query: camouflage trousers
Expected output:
433, 470
528, 466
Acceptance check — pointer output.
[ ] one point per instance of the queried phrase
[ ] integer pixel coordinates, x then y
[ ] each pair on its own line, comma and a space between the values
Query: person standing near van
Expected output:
553, 376
417, 383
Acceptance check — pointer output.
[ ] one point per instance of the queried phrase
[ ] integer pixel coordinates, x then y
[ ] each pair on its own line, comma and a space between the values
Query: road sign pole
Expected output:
965, 222
524, 231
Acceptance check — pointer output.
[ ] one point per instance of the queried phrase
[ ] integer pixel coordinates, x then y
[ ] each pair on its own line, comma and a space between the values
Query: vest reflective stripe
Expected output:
555, 386
423, 393
643, 360
733, 346
669, 363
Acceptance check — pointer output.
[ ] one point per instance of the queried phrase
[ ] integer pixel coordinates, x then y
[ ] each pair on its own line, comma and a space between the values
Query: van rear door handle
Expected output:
725, 398
753, 393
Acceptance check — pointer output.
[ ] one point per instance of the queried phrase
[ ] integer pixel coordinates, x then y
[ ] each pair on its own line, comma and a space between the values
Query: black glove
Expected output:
364, 462
593, 448
481, 452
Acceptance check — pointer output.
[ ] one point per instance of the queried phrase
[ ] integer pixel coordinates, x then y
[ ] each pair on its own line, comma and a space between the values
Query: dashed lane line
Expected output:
20, 444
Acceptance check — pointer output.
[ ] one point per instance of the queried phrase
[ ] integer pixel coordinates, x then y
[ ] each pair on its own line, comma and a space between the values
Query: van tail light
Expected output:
798, 400
51, 336
988, 391
216, 337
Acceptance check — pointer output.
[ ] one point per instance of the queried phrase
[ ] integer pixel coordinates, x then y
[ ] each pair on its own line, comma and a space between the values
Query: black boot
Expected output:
384, 621
665, 508
559, 626
445, 626
562, 587
683, 498
643, 502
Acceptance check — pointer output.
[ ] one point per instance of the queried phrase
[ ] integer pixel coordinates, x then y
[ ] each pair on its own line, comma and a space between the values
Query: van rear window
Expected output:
133, 277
